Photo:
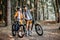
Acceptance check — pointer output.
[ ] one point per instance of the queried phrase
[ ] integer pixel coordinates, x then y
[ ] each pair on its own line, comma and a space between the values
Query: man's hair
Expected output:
25, 6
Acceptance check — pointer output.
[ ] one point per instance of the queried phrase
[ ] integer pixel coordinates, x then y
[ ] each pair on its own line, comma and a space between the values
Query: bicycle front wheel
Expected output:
21, 32
38, 29
13, 30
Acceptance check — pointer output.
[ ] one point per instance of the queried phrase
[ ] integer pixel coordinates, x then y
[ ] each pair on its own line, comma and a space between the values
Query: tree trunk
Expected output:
57, 10
35, 11
42, 2
8, 12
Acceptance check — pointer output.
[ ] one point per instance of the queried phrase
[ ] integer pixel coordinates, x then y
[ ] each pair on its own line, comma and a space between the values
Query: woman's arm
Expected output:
16, 14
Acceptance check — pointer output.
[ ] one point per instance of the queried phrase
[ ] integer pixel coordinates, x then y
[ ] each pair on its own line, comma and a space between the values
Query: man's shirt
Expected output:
28, 15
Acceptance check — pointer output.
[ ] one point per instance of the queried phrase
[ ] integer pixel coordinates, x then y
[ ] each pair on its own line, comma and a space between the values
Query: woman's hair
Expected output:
18, 8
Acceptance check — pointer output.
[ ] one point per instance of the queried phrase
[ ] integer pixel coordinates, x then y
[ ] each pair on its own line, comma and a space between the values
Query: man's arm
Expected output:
32, 9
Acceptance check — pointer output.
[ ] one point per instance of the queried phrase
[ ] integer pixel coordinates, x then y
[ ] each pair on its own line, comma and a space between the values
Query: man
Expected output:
28, 18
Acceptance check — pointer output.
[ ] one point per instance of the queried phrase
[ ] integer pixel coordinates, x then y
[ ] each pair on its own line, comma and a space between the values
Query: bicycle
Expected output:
18, 29
15, 29
38, 28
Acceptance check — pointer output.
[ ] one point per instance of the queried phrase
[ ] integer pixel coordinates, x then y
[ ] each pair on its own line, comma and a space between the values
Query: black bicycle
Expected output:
18, 29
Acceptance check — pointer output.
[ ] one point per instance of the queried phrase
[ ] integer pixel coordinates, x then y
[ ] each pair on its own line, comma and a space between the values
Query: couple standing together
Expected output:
25, 15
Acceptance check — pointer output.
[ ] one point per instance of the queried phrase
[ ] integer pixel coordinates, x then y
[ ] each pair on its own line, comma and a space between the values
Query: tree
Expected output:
8, 12
57, 10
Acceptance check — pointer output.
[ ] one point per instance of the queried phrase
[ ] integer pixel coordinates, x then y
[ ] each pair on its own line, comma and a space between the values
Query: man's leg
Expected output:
27, 27
30, 27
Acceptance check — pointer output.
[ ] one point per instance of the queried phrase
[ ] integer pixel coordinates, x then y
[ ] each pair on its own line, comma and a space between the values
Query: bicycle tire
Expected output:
21, 36
40, 28
13, 30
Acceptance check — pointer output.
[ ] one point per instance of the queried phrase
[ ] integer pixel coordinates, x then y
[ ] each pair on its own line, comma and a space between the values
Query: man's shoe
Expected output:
26, 34
30, 33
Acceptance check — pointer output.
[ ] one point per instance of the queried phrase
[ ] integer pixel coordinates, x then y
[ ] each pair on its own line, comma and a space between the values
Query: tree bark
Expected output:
57, 11
8, 12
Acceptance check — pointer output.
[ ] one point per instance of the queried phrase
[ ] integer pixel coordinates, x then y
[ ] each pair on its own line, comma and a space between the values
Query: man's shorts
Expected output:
29, 21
